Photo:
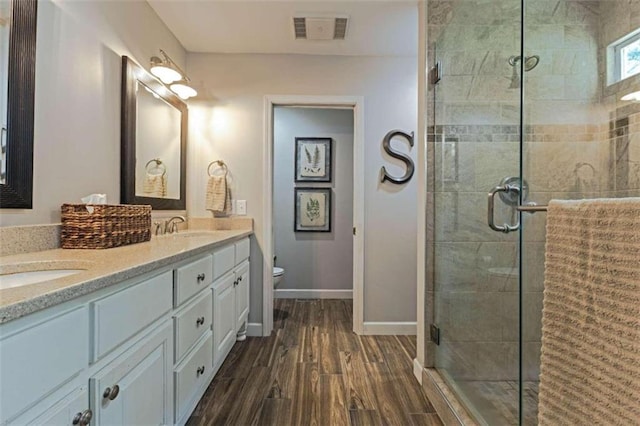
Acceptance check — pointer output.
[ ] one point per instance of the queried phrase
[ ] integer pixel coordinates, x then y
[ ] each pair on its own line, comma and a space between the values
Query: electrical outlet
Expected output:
241, 207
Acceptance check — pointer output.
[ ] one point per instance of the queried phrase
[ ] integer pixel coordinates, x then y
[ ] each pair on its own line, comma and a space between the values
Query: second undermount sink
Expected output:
186, 234
21, 274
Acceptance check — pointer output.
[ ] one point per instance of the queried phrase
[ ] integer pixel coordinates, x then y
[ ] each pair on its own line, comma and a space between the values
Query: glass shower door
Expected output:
474, 145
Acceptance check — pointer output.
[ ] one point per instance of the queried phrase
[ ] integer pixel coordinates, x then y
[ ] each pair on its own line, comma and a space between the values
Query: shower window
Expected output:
625, 56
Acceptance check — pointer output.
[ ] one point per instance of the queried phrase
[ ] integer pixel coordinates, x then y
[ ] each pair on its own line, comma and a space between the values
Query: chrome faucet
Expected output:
171, 225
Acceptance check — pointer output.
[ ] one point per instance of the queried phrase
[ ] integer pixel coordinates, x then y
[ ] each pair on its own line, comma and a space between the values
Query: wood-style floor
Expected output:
313, 370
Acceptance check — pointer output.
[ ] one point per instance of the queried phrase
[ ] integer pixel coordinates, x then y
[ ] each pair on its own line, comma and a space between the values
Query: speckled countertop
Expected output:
102, 268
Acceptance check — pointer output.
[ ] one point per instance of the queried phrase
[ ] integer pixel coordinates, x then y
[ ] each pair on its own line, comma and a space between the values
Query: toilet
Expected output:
278, 273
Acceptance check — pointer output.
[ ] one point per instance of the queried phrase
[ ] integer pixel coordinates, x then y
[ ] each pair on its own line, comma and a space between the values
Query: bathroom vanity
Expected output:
136, 338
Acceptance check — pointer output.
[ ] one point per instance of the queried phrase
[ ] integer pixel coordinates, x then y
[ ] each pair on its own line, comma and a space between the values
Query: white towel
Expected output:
155, 185
218, 198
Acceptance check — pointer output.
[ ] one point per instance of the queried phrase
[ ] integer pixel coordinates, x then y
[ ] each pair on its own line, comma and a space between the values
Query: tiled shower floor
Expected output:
498, 401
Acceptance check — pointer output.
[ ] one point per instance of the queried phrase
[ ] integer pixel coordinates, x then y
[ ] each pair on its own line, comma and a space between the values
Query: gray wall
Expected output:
77, 101
314, 260
226, 121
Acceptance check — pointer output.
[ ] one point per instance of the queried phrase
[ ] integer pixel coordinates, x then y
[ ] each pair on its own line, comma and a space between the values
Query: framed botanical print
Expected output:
312, 210
313, 160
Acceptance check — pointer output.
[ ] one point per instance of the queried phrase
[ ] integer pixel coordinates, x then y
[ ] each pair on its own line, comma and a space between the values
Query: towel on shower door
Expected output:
590, 362
218, 198
155, 185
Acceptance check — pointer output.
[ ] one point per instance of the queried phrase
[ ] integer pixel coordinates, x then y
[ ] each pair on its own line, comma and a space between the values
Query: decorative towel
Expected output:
155, 185
218, 198
590, 363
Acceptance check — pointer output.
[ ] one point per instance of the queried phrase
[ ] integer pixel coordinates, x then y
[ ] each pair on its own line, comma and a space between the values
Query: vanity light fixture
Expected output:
171, 74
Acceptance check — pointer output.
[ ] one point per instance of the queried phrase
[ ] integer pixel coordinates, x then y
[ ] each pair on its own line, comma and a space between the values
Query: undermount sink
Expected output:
21, 274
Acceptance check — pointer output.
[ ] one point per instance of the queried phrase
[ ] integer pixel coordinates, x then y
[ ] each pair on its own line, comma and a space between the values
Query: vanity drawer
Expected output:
192, 278
191, 376
223, 260
242, 250
119, 316
192, 322
41, 358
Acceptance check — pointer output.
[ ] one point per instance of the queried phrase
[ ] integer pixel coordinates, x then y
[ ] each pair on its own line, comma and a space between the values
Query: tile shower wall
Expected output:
579, 141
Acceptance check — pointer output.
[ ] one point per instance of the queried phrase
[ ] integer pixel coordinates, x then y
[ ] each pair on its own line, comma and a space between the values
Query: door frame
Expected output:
356, 103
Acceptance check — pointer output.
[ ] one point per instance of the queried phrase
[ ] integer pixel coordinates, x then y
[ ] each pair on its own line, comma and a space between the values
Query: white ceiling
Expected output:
376, 28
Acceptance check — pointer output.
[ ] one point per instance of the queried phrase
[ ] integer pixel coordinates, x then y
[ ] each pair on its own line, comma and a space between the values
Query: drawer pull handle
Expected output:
200, 371
111, 393
200, 277
235, 283
199, 321
83, 419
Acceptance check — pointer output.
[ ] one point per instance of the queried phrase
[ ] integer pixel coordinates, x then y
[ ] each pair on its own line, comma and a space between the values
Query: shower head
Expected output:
530, 62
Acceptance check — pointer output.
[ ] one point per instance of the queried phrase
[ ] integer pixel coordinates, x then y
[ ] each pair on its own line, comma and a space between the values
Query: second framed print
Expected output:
312, 210
313, 160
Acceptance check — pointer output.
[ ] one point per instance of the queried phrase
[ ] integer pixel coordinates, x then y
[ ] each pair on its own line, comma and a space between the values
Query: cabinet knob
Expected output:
199, 321
200, 371
201, 277
239, 279
83, 419
111, 393
235, 283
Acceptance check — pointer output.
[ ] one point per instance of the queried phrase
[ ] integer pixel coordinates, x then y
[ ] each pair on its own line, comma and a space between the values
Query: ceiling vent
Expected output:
320, 28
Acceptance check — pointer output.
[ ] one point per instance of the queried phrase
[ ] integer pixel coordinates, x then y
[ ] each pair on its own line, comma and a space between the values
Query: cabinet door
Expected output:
41, 358
135, 388
224, 334
242, 294
72, 407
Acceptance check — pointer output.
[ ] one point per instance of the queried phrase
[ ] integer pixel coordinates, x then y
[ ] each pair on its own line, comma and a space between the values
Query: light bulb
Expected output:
182, 90
165, 74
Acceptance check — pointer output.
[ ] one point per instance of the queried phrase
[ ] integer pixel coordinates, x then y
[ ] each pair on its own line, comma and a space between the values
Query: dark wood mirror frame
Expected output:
131, 74
17, 192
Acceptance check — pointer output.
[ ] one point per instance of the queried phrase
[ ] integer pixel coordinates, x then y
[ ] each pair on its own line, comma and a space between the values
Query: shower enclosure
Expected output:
535, 97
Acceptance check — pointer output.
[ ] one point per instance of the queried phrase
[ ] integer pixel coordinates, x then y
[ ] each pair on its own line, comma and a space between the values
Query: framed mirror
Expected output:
154, 141
17, 78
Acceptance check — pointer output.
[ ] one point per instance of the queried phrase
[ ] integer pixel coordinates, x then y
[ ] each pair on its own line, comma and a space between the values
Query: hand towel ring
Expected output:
159, 165
219, 163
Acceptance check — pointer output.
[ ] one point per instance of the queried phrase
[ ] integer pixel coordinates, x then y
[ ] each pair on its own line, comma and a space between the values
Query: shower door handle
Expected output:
507, 227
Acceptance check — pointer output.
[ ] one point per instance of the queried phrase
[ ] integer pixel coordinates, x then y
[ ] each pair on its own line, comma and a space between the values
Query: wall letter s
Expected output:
386, 145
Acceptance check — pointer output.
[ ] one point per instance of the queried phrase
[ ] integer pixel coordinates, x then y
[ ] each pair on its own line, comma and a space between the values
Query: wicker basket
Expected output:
108, 226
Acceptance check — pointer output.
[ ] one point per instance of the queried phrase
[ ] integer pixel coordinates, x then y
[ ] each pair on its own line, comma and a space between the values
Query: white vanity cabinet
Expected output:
230, 298
142, 351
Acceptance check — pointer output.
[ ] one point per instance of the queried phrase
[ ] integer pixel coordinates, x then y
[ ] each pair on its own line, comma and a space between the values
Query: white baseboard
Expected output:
390, 328
313, 294
417, 370
254, 329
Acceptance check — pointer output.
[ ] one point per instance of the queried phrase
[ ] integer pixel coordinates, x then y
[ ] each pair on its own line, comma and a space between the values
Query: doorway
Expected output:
273, 224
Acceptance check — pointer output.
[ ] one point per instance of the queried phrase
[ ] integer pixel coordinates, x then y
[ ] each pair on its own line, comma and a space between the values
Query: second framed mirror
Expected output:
154, 135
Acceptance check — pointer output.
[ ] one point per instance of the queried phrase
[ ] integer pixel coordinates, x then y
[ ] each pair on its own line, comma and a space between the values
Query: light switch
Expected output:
241, 207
